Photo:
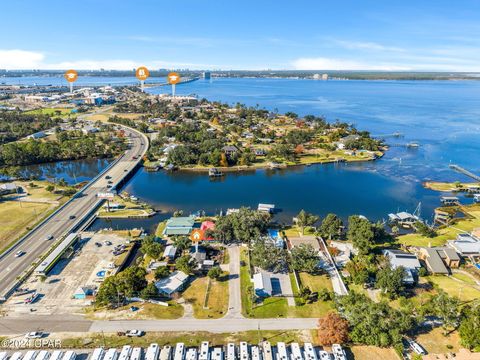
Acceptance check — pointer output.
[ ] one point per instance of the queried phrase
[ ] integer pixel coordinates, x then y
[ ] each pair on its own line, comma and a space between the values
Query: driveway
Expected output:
234, 298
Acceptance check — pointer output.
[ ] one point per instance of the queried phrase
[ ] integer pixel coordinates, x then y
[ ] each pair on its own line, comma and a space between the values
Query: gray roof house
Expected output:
439, 260
406, 260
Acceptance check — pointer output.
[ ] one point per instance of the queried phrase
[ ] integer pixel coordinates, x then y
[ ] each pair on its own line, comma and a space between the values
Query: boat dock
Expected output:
463, 171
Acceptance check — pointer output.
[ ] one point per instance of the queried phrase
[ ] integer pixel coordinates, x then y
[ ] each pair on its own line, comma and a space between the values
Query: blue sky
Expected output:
437, 35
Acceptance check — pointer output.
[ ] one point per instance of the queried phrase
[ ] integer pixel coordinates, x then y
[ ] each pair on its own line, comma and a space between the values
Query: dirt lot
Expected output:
67, 276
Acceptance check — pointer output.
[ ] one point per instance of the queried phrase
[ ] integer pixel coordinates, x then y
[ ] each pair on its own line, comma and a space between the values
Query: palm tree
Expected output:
305, 219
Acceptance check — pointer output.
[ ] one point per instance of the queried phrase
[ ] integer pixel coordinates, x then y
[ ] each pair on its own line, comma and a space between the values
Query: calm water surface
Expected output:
443, 116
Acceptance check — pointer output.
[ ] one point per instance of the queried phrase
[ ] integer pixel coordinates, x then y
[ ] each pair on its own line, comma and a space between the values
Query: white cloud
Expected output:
371, 46
322, 63
20, 59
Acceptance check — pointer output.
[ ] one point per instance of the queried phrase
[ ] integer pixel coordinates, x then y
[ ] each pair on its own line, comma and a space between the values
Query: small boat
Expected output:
413, 145
214, 172
170, 167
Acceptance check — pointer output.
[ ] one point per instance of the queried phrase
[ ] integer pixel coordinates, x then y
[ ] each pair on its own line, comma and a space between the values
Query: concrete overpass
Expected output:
69, 216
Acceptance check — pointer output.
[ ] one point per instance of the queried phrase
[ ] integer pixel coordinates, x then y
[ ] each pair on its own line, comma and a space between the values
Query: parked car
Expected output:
49, 237
34, 335
416, 347
135, 333
71, 217
20, 253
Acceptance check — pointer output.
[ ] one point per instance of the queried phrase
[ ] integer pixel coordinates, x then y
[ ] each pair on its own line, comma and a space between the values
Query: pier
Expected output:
463, 171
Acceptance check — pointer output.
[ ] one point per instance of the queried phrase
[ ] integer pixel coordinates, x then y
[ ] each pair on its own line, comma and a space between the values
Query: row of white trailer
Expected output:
245, 351
39, 355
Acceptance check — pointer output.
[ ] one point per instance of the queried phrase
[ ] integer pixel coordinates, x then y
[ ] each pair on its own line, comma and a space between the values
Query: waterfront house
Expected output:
37, 135
262, 284
466, 245
439, 260
230, 150
84, 291
403, 219
181, 225
406, 260
172, 284
9, 188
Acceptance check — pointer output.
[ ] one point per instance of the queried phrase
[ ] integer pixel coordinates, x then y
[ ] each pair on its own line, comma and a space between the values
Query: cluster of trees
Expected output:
129, 283
36, 152
139, 125
245, 226
15, 125
364, 235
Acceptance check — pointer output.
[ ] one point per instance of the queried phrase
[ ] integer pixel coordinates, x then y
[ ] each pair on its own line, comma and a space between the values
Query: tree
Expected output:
245, 226
360, 268
372, 323
331, 226
424, 229
360, 233
268, 257
305, 219
182, 243
469, 329
50, 188
186, 264
215, 273
390, 281
149, 292
332, 329
304, 258
446, 308
151, 248
161, 272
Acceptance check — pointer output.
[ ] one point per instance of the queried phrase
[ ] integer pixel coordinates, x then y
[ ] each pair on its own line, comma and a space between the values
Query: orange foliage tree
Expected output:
332, 329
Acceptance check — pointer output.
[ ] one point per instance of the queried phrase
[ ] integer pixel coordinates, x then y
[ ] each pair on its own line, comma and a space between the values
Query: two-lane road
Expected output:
69, 216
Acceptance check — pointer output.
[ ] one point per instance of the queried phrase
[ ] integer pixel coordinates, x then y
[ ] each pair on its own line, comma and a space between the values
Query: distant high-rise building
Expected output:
316, 76
206, 75
325, 77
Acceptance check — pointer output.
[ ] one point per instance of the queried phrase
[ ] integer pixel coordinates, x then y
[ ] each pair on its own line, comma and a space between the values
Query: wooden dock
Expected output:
464, 171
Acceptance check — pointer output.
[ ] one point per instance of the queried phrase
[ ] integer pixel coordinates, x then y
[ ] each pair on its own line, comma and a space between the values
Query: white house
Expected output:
172, 284
262, 284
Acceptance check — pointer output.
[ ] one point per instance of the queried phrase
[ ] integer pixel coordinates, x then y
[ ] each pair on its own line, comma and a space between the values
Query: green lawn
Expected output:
447, 233
463, 290
217, 303
188, 338
50, 111
277, 307
160, 228
316, 283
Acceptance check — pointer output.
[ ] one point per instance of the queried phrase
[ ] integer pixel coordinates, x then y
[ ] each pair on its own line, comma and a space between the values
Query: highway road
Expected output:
69, 216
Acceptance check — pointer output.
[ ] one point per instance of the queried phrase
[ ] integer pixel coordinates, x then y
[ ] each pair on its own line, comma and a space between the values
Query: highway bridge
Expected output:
69, 217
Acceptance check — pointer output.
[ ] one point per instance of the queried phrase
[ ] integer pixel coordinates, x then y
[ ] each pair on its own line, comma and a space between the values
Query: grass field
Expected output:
373, 353
435, 342
448, 186
18, 217
217, 303
188, 338
50, 111
455, 287
277, 307
146, 311
448, 233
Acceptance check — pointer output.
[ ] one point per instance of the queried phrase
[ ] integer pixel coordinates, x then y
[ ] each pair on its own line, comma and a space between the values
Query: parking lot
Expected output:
91, 261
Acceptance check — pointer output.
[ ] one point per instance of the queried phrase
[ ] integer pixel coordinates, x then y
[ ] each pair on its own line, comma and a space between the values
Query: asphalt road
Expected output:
35, 243
65, 323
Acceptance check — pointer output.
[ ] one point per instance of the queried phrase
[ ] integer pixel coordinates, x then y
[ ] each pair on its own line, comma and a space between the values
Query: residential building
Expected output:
465, 245
170, 252
173, 284
181, 225
230, 150
262, 284
9, 188
406, 260
439, 260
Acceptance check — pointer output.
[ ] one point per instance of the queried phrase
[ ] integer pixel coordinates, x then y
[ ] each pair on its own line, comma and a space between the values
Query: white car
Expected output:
416, 347
49, 237
19, 253
34, 335
135, 333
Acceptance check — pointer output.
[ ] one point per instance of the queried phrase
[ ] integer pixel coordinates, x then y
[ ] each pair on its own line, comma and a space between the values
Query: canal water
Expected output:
442, 116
